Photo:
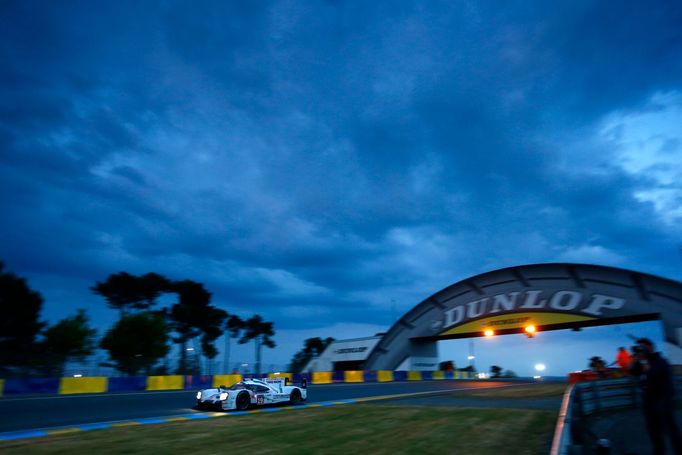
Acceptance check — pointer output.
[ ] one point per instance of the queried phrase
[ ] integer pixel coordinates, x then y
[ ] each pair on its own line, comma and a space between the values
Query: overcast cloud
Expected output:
331, 164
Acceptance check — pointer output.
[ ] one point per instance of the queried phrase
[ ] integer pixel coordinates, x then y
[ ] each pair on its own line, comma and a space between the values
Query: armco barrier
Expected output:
129, 384
165, 382
35, 385
385, 376
198, 382
178, 382
226, 379
353, 376
322, 377
369, 376
400, 375
298, 377
414, 375
83, 385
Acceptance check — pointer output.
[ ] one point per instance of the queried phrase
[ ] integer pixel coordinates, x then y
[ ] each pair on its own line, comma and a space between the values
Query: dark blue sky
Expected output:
331, 164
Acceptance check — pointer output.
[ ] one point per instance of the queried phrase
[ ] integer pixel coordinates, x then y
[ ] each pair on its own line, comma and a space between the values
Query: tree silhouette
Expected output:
255, 328
312, 347
233, 328
446, 365
136, 342
19, 322
71, 338
152, 285
212, 329
125, 292
193, 315
495, 371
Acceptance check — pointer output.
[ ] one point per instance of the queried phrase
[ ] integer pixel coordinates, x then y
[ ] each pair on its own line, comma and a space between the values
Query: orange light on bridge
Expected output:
488, 332
530, 330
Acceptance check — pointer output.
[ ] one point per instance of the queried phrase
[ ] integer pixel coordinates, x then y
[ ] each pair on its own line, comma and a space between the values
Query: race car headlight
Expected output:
223, 396
198, 395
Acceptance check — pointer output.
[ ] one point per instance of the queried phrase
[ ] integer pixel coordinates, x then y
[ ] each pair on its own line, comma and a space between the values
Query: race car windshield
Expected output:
237, 386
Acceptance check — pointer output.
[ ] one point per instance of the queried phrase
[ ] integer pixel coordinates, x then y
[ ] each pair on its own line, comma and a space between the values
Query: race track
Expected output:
33, 412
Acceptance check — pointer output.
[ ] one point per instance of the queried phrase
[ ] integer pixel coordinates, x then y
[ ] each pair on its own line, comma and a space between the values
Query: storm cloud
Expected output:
326, 162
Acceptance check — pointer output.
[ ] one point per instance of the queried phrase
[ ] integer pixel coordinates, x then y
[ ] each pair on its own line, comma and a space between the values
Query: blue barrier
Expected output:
370, 376
338, 376
198, 382
131, 384
400, 375
34, 385
299, 376
427, 376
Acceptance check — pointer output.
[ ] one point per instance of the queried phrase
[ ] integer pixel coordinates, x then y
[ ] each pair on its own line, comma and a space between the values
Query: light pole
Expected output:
471, 356
226, 362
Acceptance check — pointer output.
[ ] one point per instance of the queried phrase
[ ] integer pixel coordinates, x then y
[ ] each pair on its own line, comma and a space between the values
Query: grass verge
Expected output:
334, 430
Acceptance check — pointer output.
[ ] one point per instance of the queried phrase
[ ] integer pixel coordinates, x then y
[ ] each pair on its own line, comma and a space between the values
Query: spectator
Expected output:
623, 359
598, 365
656, 380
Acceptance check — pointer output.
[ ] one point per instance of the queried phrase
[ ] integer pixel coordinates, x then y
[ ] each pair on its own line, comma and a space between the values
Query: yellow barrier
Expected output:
83, 385
289, 376
384, 376
353, 376
2, 386
165, 382
322, 377
226, 379
414, 375
438, 375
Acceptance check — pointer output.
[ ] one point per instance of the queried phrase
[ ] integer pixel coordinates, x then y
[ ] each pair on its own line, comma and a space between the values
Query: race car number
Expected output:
260, 399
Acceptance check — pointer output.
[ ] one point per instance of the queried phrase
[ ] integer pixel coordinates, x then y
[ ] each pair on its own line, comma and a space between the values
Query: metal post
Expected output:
226, 363
471, 355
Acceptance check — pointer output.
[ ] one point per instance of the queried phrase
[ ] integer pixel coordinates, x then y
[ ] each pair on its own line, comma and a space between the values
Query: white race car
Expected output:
251, 392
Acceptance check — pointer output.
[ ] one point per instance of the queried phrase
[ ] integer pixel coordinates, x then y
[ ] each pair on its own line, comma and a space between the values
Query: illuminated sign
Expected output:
528, 307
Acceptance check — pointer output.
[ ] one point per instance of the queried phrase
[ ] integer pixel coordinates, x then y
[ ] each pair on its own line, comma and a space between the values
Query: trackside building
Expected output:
344, 355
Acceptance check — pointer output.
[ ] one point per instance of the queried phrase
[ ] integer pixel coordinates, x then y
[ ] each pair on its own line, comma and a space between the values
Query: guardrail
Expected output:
77, 385
583, 399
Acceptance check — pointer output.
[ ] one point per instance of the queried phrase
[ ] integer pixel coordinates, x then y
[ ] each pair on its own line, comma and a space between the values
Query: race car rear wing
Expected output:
277, 382
282, 381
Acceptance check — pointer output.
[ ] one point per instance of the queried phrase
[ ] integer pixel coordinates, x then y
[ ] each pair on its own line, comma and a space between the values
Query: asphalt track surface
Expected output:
34, 412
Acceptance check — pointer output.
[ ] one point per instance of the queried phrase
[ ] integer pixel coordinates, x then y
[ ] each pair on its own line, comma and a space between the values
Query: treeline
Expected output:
312, 347
137, 341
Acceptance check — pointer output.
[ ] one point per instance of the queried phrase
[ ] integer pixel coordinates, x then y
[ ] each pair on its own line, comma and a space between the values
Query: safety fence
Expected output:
77, 385
584, 399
